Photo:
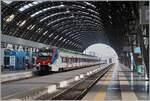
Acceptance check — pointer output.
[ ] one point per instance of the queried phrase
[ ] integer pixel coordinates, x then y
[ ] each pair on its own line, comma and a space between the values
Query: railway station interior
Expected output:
74, 50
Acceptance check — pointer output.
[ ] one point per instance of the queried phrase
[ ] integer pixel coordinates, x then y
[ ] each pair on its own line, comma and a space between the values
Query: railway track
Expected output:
77, 91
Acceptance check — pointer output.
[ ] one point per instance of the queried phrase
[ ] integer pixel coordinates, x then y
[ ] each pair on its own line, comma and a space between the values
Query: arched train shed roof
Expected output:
71, 25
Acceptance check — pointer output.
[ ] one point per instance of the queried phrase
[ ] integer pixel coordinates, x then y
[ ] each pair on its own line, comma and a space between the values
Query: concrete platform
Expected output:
7, 71
17, 87
15, 75
120, 83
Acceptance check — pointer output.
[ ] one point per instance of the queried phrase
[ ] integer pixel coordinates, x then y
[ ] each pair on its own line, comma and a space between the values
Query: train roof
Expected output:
74, 52
66, 50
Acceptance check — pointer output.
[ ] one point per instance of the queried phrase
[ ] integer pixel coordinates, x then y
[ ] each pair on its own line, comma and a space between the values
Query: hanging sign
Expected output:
137, 50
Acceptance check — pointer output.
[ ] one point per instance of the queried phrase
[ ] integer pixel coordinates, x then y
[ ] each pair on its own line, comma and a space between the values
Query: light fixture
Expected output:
109, 16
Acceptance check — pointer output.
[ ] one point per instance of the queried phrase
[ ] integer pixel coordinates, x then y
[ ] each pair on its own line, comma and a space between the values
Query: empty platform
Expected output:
120, 83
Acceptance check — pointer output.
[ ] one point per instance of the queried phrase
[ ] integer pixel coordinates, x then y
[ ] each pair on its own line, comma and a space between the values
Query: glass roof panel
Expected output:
46, 9
90, 4
7, 1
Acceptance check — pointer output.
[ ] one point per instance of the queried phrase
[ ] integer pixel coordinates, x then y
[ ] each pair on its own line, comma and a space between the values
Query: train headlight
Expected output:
49, 64
38, 64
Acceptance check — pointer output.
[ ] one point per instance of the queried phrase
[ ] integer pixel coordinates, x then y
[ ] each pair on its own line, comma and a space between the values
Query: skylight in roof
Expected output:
32, 26
29, 5
70, 42
61, 38
22, 9
35, 14
93, 11
29, 27
52, 15
83, 12
68, 33
62, 5
111, 22
44, 18
68, 11
51, 35
7, 1
64, 40
56, 21
45, 9
74, 37
9, 18
109, 16
26, 6
35, 2
72, 16
90, 4
22, 23
56, 37
78, 6
40, 1
39, 30
75, 44
45, 32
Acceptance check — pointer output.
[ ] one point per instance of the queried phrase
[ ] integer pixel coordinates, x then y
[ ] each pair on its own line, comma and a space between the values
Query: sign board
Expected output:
20, 48
12, 61
12, 53
137, 50
138, 59
9, 46
144, 15
126, 49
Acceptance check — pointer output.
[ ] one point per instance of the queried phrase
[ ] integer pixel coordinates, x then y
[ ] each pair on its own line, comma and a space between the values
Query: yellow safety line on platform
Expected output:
102, 92
126, 93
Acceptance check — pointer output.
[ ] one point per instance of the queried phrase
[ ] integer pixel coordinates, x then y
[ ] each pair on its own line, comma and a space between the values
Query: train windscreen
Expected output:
44, 55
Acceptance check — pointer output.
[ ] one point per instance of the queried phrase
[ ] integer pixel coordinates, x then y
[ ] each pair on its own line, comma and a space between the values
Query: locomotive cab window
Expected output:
44, 56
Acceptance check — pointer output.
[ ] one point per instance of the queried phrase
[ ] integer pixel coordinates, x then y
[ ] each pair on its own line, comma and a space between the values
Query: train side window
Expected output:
62, 59
71, 60
67, 59
75, 60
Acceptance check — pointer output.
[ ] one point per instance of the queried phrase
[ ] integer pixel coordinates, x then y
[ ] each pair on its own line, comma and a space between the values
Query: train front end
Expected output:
44, 61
